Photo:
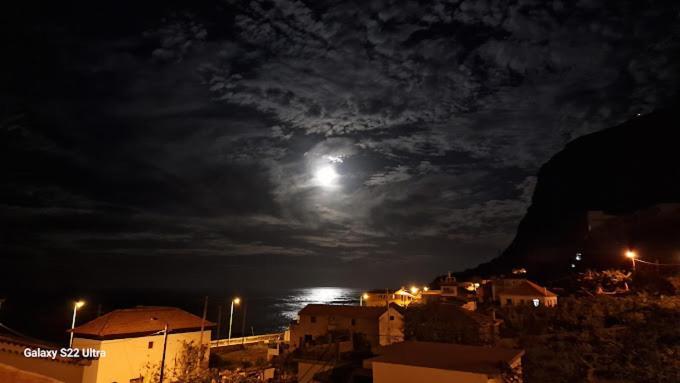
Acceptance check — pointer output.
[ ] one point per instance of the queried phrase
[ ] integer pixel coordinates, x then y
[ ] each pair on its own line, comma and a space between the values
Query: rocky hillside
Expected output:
623, 178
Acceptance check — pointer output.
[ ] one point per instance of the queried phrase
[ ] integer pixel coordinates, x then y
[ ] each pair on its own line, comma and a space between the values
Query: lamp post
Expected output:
76, 306
234, 301
632, 255
362, 298
165, 345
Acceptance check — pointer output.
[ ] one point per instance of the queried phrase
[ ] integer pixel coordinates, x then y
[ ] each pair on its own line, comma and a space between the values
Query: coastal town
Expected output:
451, 330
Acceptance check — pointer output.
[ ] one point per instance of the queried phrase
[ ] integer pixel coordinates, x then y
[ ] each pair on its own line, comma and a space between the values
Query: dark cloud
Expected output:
182, 132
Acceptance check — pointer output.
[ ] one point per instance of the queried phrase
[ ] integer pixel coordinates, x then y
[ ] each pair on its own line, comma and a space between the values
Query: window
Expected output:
354, 322
508, 301
150, 344
137, 380
391, 317
313, 319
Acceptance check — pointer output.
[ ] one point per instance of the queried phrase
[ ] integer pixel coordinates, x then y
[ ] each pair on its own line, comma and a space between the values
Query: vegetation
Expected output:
190, 367
626, 339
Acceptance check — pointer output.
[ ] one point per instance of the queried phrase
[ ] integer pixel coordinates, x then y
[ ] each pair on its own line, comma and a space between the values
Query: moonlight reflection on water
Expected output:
299, 298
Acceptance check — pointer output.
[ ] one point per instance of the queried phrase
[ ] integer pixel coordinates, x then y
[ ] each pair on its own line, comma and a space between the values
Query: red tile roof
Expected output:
527, 288
139, 321
343, 311
448, 356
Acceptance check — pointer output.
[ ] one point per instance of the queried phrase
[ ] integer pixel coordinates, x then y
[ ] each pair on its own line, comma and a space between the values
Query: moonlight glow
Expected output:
326, 176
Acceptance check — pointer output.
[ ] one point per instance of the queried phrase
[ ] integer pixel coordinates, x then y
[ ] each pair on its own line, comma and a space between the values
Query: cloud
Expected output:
199, 132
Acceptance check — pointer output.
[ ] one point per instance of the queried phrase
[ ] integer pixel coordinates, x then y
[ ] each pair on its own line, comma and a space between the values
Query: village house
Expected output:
449, 286
526, 293
516, 291
320, 323
428, 362
15, 366
400, 297
430, 296
132, 342
452, 323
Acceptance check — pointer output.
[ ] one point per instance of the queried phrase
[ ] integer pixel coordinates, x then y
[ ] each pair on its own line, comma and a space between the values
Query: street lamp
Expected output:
76, 306
362, 298
414, 289
632, 255
234, 301
165, 345
426, 288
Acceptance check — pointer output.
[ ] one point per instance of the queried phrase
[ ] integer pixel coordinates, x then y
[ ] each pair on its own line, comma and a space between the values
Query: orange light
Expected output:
80, 304
365, 296
237, 300
630, 254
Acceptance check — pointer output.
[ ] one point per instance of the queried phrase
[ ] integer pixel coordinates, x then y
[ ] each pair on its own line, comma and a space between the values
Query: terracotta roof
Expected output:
448, 356
453, 312
527, 288
139, 321
343, 311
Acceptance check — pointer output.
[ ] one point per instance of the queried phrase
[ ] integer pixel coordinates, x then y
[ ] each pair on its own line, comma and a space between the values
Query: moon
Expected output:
326, 176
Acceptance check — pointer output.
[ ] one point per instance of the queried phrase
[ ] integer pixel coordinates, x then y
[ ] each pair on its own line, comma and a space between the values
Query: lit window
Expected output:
536, 302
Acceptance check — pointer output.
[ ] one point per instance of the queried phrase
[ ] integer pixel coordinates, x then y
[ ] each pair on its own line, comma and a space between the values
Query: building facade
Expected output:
130, 343
526, 293
326, 323
400, 297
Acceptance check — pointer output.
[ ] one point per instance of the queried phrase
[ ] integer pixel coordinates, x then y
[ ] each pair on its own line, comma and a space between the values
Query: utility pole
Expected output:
387, 305
205, 313
219, 320
165, 345
243, 323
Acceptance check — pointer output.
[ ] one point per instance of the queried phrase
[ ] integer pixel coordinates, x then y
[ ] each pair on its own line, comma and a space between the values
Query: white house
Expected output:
129, 342
379, 325
525, 292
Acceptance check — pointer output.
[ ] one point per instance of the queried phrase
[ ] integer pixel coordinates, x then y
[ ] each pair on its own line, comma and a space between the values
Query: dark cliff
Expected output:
626, 173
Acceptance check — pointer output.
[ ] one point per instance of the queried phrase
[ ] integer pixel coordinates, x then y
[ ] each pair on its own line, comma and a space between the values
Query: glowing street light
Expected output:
426, 288
234, 301
632, 255
414, 290
362, 298
76, 306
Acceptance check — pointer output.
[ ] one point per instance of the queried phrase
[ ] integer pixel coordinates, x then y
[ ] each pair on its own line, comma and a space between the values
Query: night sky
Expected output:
299, 143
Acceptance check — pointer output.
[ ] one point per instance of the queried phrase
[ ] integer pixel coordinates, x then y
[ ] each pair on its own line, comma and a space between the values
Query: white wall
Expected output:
131, 358
391, 331
519, 300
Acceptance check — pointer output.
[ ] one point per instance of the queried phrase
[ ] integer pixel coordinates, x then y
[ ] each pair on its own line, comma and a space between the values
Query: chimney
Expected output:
449, 276
493, 315
545, 291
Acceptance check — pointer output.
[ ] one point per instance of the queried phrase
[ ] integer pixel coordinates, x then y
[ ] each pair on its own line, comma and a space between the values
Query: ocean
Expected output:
46, 315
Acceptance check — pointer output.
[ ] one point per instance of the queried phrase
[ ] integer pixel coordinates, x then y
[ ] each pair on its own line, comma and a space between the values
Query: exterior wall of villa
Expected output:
131, 358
